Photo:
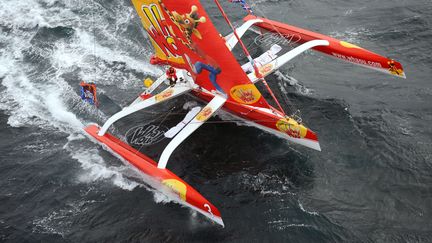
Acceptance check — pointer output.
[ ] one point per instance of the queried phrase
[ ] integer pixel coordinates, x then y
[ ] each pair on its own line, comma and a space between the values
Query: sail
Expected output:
340, 49
184, 37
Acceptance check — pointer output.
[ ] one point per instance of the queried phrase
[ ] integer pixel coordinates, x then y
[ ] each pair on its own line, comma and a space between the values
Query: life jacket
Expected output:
171, 73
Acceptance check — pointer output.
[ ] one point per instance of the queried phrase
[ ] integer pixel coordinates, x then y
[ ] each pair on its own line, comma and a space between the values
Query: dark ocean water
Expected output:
371, 183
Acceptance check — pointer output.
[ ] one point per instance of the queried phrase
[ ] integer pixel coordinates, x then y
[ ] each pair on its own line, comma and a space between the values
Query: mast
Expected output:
251, 60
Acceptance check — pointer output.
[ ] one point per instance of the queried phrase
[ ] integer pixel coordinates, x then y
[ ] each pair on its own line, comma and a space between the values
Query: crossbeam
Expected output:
163, 96
285, 58
214, 105
232, 41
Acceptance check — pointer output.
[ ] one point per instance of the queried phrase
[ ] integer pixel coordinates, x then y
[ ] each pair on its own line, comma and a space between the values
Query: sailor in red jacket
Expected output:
171, 76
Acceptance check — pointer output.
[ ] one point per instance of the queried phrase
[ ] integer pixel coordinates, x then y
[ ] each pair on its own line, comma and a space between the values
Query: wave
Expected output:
47, 49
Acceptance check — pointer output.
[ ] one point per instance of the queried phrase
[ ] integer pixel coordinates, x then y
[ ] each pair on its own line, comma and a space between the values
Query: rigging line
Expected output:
257, 73
274, 27
160, 123
165, 115
287, 100
233, 121
94, 40
209, 122
262, 78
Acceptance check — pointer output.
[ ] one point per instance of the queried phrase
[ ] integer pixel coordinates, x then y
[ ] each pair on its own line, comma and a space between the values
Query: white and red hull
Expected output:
172, 184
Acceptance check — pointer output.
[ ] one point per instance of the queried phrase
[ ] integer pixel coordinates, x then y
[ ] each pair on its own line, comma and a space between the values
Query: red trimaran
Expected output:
184, 37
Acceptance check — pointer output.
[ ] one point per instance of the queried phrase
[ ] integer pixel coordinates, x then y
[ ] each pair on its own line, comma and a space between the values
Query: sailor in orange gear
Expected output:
171, 76
88, 93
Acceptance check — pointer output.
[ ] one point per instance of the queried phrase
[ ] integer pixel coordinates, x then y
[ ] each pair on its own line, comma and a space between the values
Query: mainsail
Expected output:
184, 37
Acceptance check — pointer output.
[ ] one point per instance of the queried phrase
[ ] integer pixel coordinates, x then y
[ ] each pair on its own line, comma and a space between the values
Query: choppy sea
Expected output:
372, 182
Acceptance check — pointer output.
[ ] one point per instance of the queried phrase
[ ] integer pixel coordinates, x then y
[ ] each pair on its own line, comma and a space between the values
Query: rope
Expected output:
160, 123
94, 41
207, 122
287, 101
257, 73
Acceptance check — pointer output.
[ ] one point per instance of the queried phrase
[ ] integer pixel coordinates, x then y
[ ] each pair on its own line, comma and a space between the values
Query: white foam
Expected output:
39, 97
292, 82
353, 34
96, 169
60, 113
304, 210
87, 53
75, 136
190, 104
159, 197
59, 221
266, 184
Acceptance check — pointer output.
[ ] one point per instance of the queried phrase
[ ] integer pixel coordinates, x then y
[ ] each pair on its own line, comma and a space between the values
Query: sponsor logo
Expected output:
357, 60
160, 32
164, 95
204, 114
145, 135
177, 186
266, 69
245, 94
292, 128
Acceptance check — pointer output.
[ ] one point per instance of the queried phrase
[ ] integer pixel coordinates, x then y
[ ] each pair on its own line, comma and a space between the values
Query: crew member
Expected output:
171, 76
88, 93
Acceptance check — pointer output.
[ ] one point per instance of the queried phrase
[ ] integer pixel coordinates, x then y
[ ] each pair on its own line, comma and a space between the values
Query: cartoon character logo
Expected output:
204, 114
292, 128
393, 69
164, 95
189, 22
177, 186
186, 23
245, 94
